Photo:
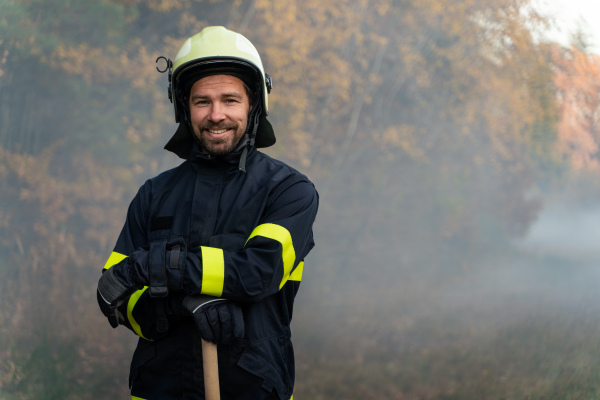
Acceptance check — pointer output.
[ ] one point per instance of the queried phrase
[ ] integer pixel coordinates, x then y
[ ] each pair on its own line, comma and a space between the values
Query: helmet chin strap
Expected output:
247, 142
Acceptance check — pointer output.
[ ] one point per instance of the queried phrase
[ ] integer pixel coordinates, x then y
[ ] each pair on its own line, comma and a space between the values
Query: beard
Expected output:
221, 146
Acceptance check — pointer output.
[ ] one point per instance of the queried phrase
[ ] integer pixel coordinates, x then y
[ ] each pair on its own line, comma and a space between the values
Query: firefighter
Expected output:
229, 222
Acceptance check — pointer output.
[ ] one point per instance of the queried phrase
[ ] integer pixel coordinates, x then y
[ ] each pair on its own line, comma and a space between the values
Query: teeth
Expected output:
219, 131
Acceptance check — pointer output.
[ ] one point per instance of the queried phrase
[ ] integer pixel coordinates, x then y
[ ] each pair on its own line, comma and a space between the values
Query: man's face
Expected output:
219, 108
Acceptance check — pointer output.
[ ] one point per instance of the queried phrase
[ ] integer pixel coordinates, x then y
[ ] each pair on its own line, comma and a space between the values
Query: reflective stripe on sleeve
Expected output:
114, 258
283, 236
130, 306
139, 398
296, 274
213, 271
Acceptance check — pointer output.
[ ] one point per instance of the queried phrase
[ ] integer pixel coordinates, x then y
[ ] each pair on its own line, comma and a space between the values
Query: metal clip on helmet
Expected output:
217, 50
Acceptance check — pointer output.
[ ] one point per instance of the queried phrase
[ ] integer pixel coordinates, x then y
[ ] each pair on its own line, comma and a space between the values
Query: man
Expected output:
229, 222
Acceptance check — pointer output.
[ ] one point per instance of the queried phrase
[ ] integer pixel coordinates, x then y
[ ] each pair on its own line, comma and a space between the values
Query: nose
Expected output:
216, 112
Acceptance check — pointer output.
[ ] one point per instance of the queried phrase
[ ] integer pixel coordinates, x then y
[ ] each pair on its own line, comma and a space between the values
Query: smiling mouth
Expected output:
218, 134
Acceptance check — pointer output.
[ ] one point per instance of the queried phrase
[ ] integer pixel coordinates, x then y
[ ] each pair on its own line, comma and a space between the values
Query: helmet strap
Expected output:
246, 142
254, 116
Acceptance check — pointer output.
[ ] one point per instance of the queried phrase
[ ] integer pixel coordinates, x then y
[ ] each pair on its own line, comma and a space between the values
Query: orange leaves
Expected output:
59, 216
45, 190
383, 7
107, 64
319, 54
91, 63
404, 137
577, 79
163, 6
31, 173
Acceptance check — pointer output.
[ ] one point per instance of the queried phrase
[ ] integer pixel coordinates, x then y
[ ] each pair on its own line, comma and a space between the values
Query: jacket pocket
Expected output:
264, 369
145, 351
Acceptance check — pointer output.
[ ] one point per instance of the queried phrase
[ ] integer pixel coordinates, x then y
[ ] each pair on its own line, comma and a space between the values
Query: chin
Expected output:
220, 149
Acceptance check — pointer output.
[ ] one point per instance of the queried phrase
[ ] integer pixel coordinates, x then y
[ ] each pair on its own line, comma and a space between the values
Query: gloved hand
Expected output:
150, 319
159, 267
112, 289
218, 320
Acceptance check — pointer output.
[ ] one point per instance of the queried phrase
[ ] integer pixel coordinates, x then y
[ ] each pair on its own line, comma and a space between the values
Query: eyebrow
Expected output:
230, 94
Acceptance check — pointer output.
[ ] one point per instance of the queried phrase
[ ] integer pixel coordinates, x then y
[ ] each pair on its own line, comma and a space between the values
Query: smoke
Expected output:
436, 275
518, 320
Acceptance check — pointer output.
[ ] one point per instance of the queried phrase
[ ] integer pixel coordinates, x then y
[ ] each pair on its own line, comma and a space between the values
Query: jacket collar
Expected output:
230, 160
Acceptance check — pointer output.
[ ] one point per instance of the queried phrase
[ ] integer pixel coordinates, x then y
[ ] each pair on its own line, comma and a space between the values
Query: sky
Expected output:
571, 13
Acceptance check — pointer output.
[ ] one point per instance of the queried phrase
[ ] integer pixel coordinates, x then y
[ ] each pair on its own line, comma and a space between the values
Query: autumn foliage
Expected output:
577, 80
426, 126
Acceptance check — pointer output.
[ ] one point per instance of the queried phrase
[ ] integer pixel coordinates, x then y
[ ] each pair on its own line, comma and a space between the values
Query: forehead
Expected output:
218, 84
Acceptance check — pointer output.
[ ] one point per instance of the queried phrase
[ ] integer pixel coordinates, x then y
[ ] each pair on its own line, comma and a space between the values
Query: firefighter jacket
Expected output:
246, 235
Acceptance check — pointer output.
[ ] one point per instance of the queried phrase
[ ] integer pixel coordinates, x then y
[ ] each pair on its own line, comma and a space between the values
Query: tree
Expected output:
577, 80
423, 123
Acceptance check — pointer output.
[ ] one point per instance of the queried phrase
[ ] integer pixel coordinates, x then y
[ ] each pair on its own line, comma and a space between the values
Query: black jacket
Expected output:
246, 234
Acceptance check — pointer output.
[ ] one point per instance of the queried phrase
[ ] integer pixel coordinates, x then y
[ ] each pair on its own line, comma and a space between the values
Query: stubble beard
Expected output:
218, 147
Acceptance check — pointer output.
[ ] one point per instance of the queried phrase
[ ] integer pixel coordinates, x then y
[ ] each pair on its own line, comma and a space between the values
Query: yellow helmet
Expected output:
217, 50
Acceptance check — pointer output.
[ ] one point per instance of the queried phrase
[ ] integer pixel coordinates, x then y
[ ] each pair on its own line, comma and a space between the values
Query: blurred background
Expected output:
455, 146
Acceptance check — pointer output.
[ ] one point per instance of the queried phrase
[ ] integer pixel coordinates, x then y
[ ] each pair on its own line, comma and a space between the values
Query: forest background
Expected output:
437, 133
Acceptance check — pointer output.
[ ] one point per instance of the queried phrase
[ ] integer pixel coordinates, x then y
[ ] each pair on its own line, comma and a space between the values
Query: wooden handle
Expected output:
211, 371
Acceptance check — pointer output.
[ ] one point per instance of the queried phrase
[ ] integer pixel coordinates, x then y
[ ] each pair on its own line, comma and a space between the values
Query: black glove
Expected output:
110, 289
219, 321
160, 267
149, 307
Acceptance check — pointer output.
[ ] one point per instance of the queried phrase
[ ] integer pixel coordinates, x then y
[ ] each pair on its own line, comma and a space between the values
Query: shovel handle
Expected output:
211, 371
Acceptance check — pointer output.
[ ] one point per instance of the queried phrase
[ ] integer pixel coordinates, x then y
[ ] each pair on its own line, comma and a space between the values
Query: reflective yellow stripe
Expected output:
297, 273
130, 305
114, 258
283, 236
213, 271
